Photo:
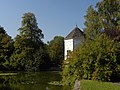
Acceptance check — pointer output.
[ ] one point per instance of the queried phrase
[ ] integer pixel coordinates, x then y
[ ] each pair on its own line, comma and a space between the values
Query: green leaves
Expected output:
95, 60
27, 45
56, 50
92, 23
6, 48
99, 57
29, 28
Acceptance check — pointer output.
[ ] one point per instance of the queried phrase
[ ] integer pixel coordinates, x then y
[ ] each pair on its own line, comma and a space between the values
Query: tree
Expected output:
42, 60
95, 60
27, 43
6, 49
92, 24
105, 18
109, 13
98, 57
30, 30
56, 50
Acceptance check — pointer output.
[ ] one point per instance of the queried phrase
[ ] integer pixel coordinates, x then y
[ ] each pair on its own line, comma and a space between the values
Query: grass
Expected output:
95, 85
5, 74
58, 83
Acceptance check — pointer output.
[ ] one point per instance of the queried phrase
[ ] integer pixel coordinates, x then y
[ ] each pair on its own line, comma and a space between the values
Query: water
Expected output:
32, 81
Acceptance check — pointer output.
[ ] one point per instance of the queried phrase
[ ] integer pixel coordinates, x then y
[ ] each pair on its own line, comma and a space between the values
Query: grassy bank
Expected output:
95, 85
5, 74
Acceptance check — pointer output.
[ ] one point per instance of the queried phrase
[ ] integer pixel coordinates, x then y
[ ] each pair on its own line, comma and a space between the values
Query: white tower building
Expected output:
72, 41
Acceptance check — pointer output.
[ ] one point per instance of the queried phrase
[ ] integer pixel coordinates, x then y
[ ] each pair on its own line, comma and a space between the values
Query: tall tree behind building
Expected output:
105, 18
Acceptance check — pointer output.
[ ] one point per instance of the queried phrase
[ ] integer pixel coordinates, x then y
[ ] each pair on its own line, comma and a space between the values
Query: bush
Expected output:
96, 60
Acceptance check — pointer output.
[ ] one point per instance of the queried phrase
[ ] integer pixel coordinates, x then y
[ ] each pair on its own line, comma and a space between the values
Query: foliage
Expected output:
41, 61
6, 47
27, 51
29, 28
28, 45
97, 60
98, 57
105, 18
92, 25
109, 12
56, 50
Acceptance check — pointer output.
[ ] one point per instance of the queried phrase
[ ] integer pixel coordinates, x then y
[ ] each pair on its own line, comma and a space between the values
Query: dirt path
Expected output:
77, 85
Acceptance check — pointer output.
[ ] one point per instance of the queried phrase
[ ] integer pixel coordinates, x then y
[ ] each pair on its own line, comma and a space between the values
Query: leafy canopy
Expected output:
98, 57
27, 43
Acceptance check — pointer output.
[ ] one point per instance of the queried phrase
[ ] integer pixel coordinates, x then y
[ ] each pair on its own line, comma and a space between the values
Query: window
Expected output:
68, 53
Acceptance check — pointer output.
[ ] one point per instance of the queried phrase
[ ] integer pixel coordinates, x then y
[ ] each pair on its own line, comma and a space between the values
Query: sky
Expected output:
54, 17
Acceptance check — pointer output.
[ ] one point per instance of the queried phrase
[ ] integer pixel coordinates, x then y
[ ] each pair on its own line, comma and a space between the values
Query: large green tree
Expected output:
56, 50
29, 28
105, 18
6, 49
98, 57
109, 14
27, 43
92, 24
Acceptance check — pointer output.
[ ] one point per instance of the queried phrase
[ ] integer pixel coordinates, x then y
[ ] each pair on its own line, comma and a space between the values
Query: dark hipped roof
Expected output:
76, 32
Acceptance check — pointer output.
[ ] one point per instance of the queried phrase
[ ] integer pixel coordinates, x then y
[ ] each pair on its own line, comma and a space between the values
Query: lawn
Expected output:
95, 85
5, 74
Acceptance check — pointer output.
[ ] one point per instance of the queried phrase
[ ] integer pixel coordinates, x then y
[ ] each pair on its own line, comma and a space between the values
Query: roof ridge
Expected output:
76, 32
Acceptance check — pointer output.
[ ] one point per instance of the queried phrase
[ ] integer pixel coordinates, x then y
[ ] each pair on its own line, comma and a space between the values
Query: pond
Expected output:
32, 81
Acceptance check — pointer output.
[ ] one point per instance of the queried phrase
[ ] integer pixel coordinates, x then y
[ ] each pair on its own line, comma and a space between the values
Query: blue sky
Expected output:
54, 17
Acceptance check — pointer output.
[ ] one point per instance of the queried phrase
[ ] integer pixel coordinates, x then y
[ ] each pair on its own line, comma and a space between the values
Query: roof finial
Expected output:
76, 25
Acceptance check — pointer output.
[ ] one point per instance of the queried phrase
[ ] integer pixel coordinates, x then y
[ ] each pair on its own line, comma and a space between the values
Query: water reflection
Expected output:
31, 81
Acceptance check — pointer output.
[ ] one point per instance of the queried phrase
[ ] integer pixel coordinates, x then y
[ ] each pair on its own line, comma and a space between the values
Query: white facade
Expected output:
70, 45
72, 41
